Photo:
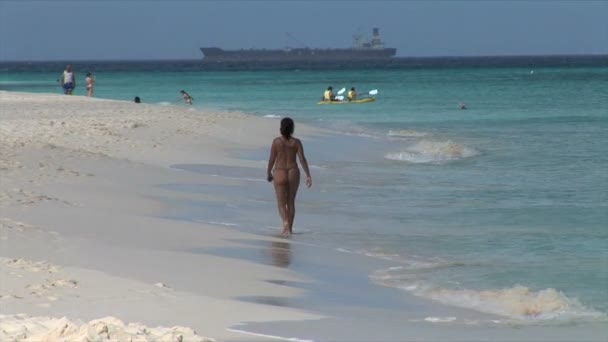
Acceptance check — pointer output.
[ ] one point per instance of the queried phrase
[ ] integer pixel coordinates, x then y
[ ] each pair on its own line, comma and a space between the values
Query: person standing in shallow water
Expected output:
284, 171
90, 79
68, 80
186, 97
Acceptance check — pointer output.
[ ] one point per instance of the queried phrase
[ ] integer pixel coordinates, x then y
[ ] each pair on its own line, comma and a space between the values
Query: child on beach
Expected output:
90, 82
284, 171
186, 96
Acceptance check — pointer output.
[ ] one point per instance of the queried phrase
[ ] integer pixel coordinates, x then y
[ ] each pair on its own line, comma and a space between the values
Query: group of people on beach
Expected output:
68, 81
68, 84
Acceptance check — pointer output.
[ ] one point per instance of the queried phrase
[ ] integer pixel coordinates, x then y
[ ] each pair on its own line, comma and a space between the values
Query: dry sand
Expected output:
81, 238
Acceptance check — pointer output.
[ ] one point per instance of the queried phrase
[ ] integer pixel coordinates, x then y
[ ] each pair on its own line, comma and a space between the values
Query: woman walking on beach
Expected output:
284, 171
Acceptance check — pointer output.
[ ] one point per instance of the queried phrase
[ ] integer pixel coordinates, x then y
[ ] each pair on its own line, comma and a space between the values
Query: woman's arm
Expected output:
304, 163
271, 160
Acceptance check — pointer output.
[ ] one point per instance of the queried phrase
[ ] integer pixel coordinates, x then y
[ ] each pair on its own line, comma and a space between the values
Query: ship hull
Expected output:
304, 55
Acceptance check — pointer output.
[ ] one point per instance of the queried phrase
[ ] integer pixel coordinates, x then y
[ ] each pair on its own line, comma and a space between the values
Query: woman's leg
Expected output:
281, 189
293, 179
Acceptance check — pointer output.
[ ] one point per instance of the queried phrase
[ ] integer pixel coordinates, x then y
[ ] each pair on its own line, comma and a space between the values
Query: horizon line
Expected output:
394, 58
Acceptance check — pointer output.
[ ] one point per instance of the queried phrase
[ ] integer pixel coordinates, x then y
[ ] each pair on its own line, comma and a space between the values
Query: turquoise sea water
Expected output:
501, 208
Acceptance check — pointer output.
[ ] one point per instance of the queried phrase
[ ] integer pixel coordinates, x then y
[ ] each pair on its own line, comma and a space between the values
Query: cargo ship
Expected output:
363, 49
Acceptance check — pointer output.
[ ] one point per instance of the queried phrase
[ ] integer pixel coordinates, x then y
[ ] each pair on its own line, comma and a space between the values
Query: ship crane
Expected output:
289, 35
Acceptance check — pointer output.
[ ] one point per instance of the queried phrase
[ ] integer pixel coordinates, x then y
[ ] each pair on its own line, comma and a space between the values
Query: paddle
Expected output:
371, 92
341, 98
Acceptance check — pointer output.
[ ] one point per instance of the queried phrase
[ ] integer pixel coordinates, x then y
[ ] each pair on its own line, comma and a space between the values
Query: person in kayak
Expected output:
329, 95
352, 94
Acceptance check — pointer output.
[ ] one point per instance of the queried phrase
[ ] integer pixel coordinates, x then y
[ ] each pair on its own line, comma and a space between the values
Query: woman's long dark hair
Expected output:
287, 127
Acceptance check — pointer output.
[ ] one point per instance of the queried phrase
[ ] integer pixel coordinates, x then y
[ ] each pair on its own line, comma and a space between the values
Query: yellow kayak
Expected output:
365, 100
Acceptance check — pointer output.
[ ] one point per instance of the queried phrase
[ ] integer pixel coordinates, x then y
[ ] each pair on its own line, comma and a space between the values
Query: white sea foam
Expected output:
271, 116
349, 129
317, 167
406, 133
239, 178
228, 224
165, 103
266, 336
440, 319
406, 263
517, 303
428, 151
378, 255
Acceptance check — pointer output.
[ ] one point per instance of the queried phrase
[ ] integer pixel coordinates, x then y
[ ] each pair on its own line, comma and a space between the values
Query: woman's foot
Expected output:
286, 231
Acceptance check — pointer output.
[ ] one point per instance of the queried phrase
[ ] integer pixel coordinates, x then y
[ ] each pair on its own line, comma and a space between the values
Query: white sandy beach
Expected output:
83, 252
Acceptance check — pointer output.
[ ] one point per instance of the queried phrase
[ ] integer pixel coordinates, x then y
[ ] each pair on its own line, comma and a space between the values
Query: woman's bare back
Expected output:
287, 150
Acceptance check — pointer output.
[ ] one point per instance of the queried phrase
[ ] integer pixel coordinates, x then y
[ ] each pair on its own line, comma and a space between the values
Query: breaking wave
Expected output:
433, 152
518, 303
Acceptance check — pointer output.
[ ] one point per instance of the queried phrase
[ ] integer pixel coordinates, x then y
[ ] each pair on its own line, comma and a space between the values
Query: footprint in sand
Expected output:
163, 290
11, 228
30, 266
10, 296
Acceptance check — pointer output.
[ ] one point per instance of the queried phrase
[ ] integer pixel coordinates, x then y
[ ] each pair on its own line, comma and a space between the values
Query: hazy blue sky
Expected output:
149, 29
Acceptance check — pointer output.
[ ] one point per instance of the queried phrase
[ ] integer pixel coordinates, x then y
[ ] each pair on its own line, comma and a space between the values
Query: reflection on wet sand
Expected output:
280, 253
267, 300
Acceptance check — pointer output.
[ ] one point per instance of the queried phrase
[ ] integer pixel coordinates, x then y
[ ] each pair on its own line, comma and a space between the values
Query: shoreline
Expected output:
342, 291
78, 194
